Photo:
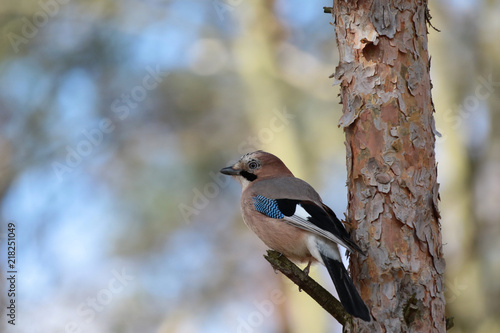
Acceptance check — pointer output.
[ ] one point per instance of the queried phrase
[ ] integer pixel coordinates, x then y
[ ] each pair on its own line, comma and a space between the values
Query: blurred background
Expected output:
115, 117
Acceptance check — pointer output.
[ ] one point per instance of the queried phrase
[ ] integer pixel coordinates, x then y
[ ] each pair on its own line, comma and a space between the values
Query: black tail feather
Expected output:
349, 296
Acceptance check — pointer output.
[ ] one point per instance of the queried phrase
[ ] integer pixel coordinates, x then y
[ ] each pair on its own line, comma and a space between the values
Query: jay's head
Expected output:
257, 166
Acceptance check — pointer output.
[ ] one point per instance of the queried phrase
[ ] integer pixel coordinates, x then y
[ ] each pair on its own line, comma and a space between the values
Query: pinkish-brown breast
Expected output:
276, 233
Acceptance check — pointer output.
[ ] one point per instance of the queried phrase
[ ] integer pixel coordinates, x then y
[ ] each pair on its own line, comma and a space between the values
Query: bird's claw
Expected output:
306, 270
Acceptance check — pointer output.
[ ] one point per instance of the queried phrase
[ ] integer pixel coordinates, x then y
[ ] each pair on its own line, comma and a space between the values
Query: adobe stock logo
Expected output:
87, 311
263, 309
458, 116
120, 108
225, 6
29, 29
210, 190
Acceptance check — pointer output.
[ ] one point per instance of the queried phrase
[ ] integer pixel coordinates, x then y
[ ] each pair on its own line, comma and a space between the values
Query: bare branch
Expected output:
307, 284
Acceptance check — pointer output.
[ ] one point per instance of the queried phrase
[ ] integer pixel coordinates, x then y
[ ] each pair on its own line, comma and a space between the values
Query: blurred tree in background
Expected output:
116, 116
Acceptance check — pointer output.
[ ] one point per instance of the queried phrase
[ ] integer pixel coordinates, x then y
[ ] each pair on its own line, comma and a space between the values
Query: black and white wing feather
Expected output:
308, 216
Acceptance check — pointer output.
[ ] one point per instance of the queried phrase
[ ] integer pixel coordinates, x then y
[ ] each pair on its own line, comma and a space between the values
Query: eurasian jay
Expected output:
289, 216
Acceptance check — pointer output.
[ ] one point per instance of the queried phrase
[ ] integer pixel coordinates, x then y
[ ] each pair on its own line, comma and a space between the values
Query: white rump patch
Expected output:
317, 245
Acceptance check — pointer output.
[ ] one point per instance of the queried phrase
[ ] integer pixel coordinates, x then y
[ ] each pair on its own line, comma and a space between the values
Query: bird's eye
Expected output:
253, 165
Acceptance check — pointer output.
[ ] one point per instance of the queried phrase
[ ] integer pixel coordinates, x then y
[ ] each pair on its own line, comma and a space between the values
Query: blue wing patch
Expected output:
268, 207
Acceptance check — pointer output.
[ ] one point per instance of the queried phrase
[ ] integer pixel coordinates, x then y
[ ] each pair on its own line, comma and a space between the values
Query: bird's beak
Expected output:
230, 171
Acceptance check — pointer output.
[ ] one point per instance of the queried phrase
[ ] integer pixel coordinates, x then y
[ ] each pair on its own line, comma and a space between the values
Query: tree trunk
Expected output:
390, 135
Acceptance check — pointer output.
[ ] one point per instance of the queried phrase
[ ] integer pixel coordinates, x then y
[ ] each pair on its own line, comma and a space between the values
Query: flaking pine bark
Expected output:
393, 192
